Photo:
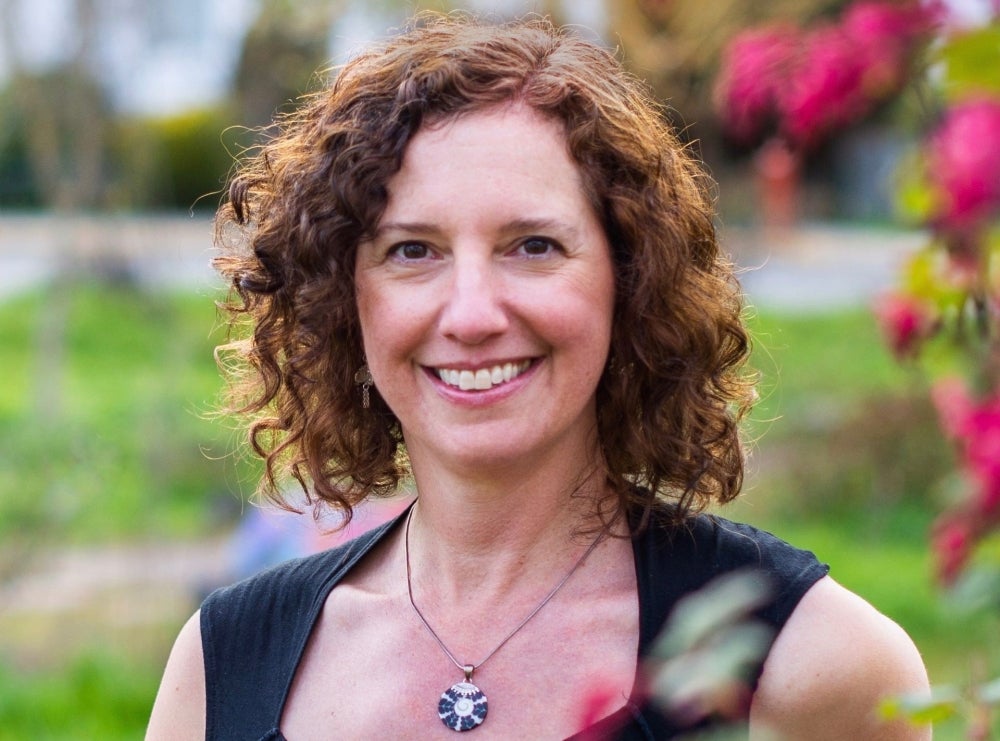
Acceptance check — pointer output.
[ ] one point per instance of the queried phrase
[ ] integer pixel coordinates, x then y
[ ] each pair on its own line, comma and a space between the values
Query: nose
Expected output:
474, 308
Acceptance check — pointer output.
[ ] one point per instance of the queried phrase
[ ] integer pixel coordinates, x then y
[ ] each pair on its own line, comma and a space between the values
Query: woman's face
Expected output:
486, 295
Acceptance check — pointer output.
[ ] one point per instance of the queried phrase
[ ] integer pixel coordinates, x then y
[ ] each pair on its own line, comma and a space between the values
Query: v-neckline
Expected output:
614, 719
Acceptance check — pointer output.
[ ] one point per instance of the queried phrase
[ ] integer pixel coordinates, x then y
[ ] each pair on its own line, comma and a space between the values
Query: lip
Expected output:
478, 397
482, 378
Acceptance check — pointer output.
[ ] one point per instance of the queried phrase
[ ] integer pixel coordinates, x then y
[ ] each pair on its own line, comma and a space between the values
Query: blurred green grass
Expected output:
103, 428
103, 437
96, 696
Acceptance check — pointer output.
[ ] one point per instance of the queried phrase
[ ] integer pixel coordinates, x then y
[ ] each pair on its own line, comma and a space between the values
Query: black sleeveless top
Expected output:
254, 632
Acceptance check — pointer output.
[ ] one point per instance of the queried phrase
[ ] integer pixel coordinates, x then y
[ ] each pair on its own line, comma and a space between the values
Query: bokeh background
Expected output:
123, 499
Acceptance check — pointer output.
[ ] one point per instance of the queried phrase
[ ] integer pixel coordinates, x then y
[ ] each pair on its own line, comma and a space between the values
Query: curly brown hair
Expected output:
675, 389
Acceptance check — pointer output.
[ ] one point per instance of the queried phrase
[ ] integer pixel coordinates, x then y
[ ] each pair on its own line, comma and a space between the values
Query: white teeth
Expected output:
482, 379
466, 380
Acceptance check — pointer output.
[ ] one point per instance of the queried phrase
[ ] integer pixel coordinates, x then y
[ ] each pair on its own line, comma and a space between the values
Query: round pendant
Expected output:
462, 706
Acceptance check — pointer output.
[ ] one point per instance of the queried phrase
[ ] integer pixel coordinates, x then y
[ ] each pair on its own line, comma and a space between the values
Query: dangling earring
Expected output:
363, 378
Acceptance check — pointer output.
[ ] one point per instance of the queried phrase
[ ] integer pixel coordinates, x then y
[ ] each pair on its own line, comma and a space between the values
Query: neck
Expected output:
484, 499
513, 536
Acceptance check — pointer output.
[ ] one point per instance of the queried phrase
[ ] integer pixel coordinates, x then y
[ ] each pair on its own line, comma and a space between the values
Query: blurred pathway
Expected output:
169, 251
812, 267
818, 267
123, 599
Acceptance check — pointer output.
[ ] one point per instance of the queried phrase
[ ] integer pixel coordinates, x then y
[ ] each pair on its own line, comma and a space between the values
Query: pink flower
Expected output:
815, 83
976, 427
599, 700
826, 88
964, 164
754, 69
905, 322
886, 34
982, 454
951, 543
953, 404
897, 24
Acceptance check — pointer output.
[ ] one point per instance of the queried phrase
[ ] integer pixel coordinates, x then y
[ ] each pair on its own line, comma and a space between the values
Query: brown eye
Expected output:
537, 247
411, 251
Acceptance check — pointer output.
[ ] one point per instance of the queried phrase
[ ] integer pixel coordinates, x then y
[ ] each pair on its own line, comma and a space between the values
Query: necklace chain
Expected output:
470, 668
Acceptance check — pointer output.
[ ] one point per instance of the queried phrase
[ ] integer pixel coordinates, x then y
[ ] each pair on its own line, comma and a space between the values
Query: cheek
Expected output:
591, 306
391, 322
366, 312
598, 323
376, 316
581, 326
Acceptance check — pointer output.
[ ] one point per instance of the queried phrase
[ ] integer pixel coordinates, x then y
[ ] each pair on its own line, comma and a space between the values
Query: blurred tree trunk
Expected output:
288, 43
283, 50
65, 116
65, 121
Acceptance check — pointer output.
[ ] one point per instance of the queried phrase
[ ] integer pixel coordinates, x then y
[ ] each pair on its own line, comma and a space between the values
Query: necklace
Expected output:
463, 706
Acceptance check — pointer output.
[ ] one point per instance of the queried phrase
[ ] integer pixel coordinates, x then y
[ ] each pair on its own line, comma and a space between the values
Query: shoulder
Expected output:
684, 557
721, 544
833, 662
179, 709
273, 612
227, 666
276, 584
288, 589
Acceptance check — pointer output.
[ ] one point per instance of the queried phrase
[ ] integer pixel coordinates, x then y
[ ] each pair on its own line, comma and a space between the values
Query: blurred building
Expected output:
151, 57
161, 56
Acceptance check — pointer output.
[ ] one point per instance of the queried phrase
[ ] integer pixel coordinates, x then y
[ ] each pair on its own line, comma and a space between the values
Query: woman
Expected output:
482, 259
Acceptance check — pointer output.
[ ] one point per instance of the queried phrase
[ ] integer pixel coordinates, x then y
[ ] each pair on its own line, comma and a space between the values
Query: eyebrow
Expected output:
413, 227
529, 225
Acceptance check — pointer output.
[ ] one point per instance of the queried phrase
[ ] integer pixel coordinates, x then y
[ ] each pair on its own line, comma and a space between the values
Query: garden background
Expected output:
121, 498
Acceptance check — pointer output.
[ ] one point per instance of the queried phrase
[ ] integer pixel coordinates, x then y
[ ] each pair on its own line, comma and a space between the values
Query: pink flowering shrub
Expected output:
952, 542
825, 90
963, 165
950, 297
980, 443
755, 69
806, 84
905, 322
800, 87
974, 426
884, 34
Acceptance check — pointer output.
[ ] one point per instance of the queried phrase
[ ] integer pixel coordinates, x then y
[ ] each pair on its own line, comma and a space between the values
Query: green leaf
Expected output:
698, 617
724, 660
915, 199
989, 692
971, 60
977, 589
925, 277
939, 706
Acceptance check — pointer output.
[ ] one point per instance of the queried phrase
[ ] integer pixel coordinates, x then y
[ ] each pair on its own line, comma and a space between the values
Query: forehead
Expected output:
508, 153
478, 128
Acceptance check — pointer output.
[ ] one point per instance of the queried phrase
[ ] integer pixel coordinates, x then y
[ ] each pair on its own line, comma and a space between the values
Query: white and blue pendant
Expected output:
463, 706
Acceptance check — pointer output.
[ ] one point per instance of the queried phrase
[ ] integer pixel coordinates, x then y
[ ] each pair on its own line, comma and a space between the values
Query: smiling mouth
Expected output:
482, 379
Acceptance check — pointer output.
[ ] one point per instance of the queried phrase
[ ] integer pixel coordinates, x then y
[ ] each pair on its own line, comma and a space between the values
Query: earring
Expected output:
363, 378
